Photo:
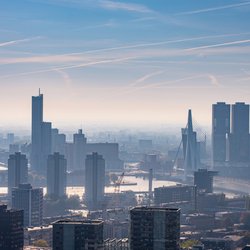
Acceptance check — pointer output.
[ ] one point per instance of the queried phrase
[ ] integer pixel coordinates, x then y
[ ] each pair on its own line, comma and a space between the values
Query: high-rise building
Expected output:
56, 175
239, 137
46, 143
30, 200
17, 170
203, 180
36, 136
40, 137
11, 229
79, 150
58, 142
78, 235
220, 130
190, 147
94, 180
154, 228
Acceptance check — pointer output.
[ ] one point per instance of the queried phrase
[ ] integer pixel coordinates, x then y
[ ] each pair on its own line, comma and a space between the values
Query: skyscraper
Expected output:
220, 129
154, 228
11, 229
17, 170
190, 148
239, 137
30, 200
78, 235
56, 175
36, 135
79, 150
40, 137
94, 180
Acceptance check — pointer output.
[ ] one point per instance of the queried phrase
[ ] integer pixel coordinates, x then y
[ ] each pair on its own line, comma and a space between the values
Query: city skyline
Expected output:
122, 62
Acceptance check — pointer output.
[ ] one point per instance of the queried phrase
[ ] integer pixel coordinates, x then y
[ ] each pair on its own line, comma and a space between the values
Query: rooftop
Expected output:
83, 222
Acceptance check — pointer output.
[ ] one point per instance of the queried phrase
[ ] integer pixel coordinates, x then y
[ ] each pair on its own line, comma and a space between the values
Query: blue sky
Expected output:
125, 62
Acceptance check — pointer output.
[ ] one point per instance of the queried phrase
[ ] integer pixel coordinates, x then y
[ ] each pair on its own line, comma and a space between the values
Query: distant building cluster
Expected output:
169, 195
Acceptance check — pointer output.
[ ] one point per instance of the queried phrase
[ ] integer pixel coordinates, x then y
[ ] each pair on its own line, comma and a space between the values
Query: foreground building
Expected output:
11, 229
30, 200
78, 235
154, 228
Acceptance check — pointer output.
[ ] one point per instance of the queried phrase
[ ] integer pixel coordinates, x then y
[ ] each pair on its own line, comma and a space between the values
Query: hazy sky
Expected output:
125, 62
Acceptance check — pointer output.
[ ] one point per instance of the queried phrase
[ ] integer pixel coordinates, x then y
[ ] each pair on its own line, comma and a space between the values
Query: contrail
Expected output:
147, 76
18, 41
133, 46
213, 9
218, 45
70, 67
214, 80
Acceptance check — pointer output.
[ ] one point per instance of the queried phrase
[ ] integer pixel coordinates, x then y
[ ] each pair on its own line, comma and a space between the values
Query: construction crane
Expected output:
117, 186
118, 183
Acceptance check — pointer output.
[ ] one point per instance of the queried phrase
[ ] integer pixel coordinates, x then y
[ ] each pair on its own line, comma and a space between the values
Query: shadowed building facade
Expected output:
78, 235
239, 137
30, 200
154, 228
220, 130
11, 229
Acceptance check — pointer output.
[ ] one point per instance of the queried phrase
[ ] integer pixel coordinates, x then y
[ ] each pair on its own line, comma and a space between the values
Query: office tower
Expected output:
79, 150
11, 229
94, 180
154, 228
17, 170
239, 137
203, 180
36, 135
58, 142
40, 137
190, 148
30, 200
78, 235
56, 175
220, 130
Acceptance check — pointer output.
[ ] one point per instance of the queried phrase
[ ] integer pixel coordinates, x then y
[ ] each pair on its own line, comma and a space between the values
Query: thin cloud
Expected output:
13, 42
93, 63
104, 4
142, 45
219, 45
230, 6
65, 76
214, 80
114, 5
146, 77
